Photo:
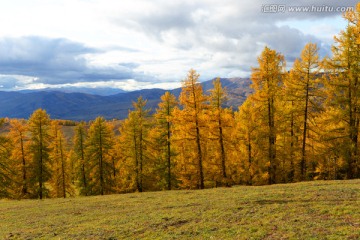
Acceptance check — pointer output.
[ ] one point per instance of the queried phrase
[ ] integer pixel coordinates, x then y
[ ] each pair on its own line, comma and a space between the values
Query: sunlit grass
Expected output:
311, 210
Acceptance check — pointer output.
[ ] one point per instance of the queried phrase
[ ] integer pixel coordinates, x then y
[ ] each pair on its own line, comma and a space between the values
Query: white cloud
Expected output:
126, 85
154, 43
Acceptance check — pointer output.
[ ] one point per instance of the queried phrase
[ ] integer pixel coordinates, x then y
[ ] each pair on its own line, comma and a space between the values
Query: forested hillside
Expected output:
296, 125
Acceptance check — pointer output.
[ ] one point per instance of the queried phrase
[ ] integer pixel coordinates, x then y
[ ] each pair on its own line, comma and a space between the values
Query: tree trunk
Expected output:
198, 143
62, 170
354, 124
303, 149
101, 170
24, 187
136, 161
168, 155
83, 163
222, 149
141, 161
40, 162
272, 167
249, 160
292, 168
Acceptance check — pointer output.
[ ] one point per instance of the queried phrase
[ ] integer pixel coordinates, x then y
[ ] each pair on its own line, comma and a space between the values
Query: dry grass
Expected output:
311, 210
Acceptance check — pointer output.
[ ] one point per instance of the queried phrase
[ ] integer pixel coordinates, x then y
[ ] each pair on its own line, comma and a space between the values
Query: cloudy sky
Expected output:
135, 44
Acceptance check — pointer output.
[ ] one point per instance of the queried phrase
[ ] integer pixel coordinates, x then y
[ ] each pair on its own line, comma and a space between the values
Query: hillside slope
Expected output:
309, 210
81, 106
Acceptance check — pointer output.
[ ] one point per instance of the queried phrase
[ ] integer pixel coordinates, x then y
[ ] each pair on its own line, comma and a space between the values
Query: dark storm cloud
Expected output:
54, 61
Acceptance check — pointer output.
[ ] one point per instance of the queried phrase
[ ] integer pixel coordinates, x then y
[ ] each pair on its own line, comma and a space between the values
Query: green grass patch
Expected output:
310, 210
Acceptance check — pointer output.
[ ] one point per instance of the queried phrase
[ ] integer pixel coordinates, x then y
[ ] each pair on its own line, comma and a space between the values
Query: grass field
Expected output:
311, 210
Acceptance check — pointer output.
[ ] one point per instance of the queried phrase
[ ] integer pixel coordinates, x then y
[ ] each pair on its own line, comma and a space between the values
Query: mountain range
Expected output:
65, 104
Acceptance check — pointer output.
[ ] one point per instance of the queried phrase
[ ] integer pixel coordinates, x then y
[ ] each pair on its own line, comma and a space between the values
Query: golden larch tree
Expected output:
20, 156
343, 88
303, 84
163, 131
81, 162
267, 82
221, 121
99, 148
60, 178
39, 129
133, 144
190, 124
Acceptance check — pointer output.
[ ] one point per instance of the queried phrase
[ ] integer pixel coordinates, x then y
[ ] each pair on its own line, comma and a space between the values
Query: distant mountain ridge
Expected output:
83, 106
93, 91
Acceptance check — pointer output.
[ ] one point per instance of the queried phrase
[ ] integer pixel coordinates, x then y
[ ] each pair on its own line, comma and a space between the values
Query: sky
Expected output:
137, 44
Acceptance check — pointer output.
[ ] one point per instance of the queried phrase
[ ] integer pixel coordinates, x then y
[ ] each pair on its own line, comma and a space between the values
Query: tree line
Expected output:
298, 125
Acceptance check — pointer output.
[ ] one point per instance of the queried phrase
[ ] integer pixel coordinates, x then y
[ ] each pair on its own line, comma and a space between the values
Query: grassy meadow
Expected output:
309, 210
